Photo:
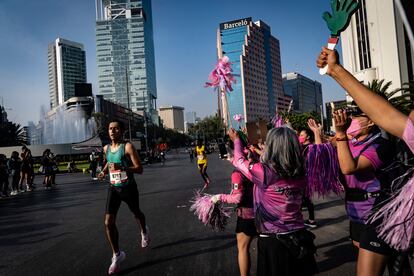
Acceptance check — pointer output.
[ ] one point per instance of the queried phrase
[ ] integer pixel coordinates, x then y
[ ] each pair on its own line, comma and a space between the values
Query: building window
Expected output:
362, 36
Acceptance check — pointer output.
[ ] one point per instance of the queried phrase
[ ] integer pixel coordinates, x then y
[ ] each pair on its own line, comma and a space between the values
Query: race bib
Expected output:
118, 177
200, 157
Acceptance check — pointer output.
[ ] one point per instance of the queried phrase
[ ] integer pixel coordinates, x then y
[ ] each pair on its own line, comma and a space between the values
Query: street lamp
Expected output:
145, 123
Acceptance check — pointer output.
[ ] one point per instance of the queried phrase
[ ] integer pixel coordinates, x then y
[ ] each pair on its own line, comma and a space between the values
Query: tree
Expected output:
12, 135
300, 120
403, 102
210, 128
101, 122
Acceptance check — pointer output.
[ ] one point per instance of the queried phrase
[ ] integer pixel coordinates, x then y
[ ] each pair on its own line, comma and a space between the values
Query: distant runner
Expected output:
202, 163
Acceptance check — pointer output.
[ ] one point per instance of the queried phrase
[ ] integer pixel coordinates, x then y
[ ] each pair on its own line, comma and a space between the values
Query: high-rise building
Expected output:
172, 117
255, 57
191, 117
306, 93
66, 67
125, 54
376, 44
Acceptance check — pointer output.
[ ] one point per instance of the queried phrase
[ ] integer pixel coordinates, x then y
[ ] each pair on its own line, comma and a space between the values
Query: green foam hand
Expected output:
342, 10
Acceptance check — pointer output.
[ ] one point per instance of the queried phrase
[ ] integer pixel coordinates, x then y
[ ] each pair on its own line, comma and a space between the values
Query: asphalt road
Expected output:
61, 231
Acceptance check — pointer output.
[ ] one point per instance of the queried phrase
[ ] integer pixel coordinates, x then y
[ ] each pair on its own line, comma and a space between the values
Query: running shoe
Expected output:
116, 262
145, 239
311, 224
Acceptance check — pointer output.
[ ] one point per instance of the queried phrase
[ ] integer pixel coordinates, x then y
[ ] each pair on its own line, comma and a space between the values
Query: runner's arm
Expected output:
101, 175
136, 162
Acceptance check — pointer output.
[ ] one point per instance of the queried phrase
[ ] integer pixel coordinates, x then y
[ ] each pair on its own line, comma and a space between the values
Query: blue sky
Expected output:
184, 38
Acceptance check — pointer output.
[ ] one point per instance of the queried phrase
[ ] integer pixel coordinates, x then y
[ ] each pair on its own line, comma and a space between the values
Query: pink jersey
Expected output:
241, 194
277, 201
408, 135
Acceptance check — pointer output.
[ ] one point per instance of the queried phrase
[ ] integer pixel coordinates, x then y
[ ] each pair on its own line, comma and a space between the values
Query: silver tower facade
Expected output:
125, 54
66, 66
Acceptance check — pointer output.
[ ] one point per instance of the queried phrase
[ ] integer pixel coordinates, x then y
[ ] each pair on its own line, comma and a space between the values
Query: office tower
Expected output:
255, 57
172, 117
306, 93
125, 54
66, 67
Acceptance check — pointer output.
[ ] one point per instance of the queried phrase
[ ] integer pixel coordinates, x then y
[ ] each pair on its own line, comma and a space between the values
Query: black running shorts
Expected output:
368, 238
128, 193
246, 226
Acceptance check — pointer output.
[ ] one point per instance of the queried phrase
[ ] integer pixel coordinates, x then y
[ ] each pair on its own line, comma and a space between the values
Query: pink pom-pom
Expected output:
397, 215
208, 212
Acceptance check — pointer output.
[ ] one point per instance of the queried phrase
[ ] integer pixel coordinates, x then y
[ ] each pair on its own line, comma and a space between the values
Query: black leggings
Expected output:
307, 202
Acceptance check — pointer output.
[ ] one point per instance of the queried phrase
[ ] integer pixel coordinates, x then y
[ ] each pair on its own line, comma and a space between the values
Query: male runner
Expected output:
122, 162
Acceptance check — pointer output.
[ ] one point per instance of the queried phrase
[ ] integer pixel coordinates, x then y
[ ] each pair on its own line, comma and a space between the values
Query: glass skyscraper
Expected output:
125, 54
255, 57
306, 93
66, 66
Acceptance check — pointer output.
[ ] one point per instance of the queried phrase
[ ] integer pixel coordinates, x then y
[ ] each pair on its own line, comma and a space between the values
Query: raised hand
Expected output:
314, 126
317, 130
215, 198
233, 134
342, 11
342, 122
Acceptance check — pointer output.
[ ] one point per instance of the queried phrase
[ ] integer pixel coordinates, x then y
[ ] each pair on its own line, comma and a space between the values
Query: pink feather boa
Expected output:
397, 215
221, 76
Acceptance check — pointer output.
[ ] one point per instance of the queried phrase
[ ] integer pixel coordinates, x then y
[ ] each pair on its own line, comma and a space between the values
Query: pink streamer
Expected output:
277, 121
221, 75
322, 170
397, 215
238, 117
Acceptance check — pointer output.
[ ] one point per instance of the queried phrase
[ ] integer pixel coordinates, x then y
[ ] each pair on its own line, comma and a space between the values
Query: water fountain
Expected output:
68, 123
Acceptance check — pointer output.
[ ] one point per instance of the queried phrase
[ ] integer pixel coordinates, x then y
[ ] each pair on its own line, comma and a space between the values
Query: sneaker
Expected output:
116, 263
145, 239
310, 224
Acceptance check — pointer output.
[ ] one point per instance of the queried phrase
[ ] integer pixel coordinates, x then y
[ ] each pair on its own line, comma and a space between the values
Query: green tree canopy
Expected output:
403, 102
300, 120
210, 128
11, 134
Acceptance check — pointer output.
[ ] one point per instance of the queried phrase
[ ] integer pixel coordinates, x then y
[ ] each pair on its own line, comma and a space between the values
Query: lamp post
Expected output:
321, 106
145, 123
